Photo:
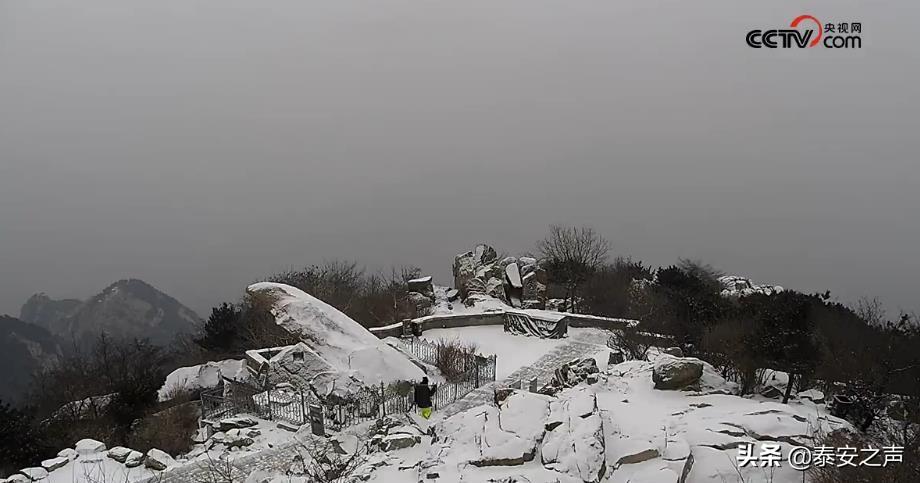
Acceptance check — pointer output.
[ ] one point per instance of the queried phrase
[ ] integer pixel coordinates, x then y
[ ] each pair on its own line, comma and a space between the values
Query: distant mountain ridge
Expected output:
129, 308
48, 313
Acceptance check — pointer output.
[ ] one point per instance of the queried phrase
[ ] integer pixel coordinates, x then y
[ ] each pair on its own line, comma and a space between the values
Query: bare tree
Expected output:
572, 255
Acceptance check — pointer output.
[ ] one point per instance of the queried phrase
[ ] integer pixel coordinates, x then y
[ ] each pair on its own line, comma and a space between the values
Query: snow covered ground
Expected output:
513, 351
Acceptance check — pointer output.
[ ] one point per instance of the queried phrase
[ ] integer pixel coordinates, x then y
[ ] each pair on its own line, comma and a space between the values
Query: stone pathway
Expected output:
584, 344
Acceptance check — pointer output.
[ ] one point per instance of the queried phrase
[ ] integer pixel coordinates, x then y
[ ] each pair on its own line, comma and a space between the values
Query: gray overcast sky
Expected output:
201, 144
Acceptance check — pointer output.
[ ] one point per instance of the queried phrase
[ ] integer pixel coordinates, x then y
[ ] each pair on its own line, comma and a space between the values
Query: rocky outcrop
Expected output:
519, 282
736, 286
671, 372
574, 442
393, 433
571, 374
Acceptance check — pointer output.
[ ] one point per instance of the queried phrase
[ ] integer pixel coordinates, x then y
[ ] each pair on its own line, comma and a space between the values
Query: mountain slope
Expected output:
132, 308
46, 312
125, 309
24, 349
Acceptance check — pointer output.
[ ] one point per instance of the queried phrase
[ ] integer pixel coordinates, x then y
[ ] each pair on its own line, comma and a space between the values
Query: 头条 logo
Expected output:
806, 31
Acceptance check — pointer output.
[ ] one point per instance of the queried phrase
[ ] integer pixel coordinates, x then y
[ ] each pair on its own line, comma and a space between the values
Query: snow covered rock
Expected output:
575, 443
235, 422
422, 286
399, 441
513, 273
54, 463
202, 376
466, 265
737, 286
34, 474
239, 437
134, 459
571, 374
671, 372
119, 453
89, 446
158, 460
812, 395
68, 453
340, 349
487, 435
673, 351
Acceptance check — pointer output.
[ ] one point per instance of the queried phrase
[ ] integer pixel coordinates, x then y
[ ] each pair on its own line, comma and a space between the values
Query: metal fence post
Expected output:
268, 395
303, 409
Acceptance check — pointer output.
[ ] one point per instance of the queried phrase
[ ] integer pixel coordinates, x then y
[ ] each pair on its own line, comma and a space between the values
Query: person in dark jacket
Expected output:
423, 393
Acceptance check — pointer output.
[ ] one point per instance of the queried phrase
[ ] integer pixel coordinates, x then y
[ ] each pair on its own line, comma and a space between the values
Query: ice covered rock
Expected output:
676, 372
54, 463
158, 460
89, 446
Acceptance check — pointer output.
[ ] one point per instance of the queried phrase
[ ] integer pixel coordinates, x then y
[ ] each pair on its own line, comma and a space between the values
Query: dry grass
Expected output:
455, 358
170, 430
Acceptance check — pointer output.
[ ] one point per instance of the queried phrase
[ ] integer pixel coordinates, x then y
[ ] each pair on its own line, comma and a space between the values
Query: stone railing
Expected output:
449, 321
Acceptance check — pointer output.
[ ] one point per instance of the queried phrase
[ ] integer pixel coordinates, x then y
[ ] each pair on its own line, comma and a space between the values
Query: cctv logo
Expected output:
806, 31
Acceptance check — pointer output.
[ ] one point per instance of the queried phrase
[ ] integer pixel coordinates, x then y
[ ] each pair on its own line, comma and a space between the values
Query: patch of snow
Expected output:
202, 376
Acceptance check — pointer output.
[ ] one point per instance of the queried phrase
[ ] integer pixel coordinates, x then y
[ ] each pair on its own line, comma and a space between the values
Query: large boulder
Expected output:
89, 446
422, 285
134, 459
338, 352
68, 453
34, 474
119, 453
671, 372
54, 463
158, 460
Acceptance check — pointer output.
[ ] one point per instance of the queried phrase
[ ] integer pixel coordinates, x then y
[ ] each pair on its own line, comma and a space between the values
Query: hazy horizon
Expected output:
201, 145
